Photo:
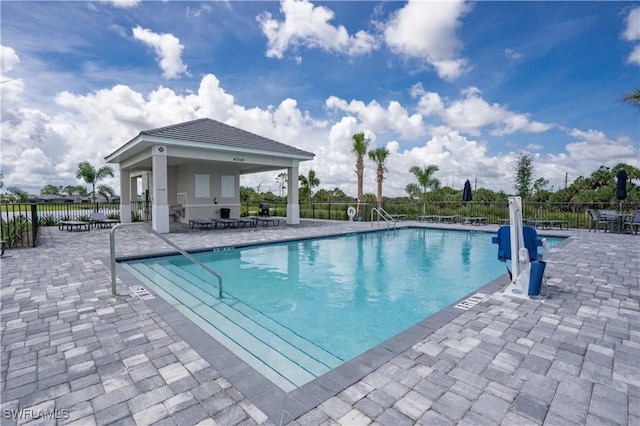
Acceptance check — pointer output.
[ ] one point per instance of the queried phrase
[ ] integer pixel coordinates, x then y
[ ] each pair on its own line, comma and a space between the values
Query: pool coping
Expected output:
282, 407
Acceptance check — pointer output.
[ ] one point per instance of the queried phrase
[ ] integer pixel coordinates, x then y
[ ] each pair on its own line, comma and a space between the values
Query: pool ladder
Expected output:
382, 213
112, 246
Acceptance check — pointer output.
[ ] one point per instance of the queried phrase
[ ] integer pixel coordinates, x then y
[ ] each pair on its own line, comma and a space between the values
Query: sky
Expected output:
466, 86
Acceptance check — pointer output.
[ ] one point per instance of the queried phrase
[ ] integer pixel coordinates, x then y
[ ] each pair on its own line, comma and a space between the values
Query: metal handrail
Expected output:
112, 246
386, 216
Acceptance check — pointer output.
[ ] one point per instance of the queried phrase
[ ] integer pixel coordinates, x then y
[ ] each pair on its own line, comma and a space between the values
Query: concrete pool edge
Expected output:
282, 407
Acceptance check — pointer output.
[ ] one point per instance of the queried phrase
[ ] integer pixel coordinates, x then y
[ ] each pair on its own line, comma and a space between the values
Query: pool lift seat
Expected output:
527, 266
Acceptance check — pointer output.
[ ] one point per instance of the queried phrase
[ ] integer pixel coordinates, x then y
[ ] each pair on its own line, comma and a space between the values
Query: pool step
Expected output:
274, 357
270, 328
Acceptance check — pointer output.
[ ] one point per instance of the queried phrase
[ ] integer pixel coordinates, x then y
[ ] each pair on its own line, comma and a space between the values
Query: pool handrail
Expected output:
112, 248
386, 216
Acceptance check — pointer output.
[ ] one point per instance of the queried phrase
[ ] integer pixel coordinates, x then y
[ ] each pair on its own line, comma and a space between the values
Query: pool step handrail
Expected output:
112, 247
382, 213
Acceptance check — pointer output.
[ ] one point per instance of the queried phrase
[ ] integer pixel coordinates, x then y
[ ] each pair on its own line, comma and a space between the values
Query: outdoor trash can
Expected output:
224, 213
535, 278
264, 209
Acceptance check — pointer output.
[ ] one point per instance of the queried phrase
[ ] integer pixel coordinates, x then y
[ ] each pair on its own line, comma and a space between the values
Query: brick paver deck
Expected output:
72, 351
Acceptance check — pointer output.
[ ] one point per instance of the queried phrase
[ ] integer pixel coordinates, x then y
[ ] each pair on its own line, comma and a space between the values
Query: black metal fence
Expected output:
20, 222
574, 213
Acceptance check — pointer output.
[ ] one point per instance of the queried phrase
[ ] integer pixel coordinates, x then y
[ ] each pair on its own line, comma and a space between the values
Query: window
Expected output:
203, 189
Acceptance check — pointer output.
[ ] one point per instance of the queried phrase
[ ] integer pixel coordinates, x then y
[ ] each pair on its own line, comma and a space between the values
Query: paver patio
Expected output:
72, 351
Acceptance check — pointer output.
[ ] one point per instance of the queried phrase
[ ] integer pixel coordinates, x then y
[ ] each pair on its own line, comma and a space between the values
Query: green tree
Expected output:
426, 181
359, 147
51, 190
247, 194
524, 175
72, 190
307, 183
106, 191
19, 196
379, 156
281, 179
91, 175
633, 98
369, 198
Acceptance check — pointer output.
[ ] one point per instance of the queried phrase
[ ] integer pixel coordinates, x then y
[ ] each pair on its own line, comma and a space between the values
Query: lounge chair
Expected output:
266, 221
475, 221
247, 221
74, 224
201, 224
101, 219
633, 222
226, 223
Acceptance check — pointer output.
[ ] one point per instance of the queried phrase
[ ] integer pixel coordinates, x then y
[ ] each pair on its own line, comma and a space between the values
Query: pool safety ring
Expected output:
351, 212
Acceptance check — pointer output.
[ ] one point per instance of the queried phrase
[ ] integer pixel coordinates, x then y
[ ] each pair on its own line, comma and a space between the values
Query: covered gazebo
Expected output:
194, 169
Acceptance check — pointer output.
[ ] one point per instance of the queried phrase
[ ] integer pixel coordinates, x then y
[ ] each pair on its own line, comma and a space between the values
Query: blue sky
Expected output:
465, 86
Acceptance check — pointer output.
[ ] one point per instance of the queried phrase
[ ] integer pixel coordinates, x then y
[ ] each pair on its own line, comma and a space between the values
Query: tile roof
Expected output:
206, 130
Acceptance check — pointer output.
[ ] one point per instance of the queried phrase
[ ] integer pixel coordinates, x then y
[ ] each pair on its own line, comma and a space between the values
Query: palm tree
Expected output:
426, 181
106, 191
633, 98
379, 156
18, 194
90, 175
360, 145
307, 183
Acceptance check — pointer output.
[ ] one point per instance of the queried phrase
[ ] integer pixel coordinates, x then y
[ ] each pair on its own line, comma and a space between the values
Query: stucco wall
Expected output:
203, 207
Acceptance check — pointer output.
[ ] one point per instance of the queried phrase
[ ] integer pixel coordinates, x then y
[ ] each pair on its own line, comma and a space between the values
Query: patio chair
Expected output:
633, 222
604, 219
101, 219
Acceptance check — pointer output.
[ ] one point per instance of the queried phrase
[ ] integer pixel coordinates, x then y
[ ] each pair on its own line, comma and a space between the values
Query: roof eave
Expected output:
142, 138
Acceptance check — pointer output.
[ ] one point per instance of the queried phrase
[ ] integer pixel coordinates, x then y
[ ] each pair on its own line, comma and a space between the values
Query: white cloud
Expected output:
167, 48
8, 59
512, 54
591, 149
634, 56
427, 31
122, 4
307, 25
377, 119
632, 33
11, 89
471, 113
198, 11
41, 148
632, 30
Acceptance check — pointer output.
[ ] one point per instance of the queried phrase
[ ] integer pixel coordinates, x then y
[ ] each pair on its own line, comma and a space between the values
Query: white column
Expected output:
125, 196
293, 206
133, 194
160, 208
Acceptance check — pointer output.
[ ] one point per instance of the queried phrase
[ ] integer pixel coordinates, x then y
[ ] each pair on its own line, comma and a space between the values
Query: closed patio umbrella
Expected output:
621, 186
466, 192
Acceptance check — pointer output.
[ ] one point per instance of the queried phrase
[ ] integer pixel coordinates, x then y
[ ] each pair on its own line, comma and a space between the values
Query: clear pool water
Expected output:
301, 308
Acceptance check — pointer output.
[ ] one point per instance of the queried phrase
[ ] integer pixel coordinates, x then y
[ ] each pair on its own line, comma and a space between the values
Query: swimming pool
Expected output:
296, 310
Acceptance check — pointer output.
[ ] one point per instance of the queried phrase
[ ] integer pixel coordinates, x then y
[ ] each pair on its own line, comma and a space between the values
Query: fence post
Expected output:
34, 224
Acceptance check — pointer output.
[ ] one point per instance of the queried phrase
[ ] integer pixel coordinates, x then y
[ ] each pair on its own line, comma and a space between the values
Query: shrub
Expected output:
14, 229
47, 220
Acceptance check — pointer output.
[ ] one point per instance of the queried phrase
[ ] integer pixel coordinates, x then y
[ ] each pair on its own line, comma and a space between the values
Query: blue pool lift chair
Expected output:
531, 243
